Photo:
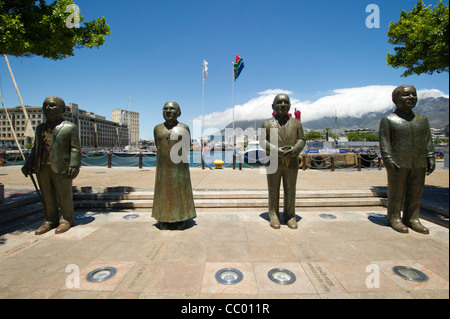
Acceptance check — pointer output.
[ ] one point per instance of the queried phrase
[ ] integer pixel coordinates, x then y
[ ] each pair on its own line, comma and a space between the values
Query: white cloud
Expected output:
274, 92
257, 108
422, 94
355, 102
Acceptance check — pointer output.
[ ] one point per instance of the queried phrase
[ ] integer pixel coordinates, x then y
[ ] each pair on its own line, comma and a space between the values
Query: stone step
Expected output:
303, 194
17, 201
20, 216
234, 199
20, 222
234, 203
24, 210
20, 211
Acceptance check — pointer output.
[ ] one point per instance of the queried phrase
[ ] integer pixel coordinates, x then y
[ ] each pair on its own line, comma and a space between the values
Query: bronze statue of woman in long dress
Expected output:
173, 201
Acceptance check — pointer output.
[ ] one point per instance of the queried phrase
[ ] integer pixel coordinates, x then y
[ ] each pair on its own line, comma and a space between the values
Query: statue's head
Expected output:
405, 98
281, 105
171, 111
53, 108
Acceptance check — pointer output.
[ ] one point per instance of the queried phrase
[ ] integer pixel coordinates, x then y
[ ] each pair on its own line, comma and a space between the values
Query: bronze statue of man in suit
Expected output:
55, 159
408, 155
284, 147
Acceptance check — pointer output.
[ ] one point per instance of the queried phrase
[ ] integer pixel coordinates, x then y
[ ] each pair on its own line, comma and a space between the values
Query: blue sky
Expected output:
310, 49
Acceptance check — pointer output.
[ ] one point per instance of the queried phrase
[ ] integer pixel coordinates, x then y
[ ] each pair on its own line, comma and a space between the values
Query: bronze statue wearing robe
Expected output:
173, 198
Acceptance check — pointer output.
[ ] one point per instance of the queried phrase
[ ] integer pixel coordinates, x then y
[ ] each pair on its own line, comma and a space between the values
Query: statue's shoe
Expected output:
62, 228
43, 229
418, 227
399, 227
275, 224
292, 223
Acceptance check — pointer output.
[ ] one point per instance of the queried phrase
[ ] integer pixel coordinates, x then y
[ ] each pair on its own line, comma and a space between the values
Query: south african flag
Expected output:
238, 67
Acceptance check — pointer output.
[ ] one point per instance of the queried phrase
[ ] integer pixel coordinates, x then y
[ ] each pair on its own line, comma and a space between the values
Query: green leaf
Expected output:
35, 28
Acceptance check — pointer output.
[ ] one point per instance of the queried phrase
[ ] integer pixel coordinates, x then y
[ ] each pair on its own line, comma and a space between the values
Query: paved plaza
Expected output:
349, 256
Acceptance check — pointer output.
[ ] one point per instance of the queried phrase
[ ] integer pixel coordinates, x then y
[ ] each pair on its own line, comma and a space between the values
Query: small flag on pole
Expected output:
205, 70
238, 67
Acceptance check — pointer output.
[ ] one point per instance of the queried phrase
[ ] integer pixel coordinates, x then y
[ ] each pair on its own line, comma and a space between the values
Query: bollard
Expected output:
359, 162
304, 162
218, 164
109, 160
140, 160
234, 161
379, 163
332, 162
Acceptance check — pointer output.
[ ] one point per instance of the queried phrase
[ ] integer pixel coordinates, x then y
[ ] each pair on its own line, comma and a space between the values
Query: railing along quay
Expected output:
316, 161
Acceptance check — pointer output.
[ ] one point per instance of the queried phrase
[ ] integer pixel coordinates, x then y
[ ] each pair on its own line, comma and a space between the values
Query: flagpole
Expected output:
335, 127
234, 136
203, 121
205, 74
233, 95
129, 123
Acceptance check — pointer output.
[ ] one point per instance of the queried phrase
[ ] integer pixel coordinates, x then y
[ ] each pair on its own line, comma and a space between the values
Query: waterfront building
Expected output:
128, 118
94, 131
18, 121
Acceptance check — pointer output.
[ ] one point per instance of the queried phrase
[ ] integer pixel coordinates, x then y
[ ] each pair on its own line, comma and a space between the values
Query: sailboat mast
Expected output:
129, 123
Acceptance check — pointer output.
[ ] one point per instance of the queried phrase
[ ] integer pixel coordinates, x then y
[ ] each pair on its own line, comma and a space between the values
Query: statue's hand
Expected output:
431, 165
287, 152
391, 165
73, 172
26, 171
281, 152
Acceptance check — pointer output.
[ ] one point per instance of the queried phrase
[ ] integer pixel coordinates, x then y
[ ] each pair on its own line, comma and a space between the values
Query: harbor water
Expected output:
148, 160
132, 160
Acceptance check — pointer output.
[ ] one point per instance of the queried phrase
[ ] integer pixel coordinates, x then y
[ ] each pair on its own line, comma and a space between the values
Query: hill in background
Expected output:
435, 109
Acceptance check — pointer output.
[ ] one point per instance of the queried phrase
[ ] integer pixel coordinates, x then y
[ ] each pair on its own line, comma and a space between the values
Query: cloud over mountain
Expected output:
347, 102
